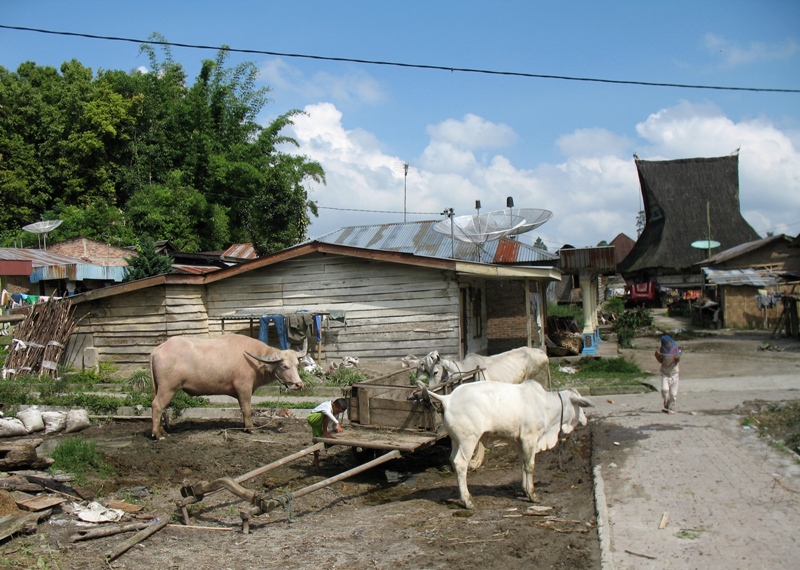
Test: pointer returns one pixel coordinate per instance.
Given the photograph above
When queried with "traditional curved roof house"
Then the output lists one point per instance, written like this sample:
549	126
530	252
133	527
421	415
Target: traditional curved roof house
680	197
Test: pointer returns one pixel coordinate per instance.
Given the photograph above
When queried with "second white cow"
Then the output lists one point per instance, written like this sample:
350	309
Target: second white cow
525	415
512	367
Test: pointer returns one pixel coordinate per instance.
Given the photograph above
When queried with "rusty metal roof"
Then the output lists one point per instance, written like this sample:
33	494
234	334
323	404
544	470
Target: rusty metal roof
419	238
240	251
194	269
598	259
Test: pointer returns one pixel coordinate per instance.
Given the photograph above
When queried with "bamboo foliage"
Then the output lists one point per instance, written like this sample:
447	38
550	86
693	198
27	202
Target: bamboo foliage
40	339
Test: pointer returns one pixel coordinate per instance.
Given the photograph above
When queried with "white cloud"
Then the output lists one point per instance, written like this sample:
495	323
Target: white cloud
734	55
593	193
473	132
356	85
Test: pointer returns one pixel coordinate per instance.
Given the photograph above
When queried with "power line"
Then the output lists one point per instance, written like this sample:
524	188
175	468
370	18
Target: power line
379	211
406	65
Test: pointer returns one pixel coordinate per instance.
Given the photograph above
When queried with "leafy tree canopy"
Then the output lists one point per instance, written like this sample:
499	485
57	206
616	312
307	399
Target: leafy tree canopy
148	262
117	155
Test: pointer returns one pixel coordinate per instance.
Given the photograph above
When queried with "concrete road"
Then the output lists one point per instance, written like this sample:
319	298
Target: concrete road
725	499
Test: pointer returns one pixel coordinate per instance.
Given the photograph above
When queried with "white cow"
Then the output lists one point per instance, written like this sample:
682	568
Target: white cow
525	415
512	367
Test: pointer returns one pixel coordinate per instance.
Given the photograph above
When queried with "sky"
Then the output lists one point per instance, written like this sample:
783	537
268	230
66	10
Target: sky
561	145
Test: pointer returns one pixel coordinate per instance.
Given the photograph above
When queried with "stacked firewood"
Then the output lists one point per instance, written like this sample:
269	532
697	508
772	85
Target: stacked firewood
39	340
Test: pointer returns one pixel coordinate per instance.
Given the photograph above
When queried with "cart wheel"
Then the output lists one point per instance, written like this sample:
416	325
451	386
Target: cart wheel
363	454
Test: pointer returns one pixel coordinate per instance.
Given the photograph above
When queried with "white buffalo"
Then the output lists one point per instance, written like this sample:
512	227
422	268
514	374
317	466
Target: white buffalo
525	415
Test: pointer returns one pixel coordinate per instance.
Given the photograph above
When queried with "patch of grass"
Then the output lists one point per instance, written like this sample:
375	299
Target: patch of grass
780	423
595	372
80	457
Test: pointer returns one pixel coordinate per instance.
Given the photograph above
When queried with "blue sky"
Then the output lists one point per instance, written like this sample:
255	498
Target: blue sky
564	146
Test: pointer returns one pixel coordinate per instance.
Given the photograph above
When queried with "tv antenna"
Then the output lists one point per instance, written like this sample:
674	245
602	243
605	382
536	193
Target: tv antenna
42	229
405	167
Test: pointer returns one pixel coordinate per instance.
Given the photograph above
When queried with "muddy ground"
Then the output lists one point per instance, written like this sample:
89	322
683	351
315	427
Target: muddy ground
403	514
363	522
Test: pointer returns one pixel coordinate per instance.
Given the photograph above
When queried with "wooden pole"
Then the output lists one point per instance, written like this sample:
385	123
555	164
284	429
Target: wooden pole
137	538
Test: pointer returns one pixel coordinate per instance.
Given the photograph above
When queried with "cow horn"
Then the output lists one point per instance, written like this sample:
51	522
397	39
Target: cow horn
272	358
305	348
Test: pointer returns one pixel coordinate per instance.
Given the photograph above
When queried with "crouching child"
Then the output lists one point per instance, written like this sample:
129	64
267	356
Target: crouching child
322	418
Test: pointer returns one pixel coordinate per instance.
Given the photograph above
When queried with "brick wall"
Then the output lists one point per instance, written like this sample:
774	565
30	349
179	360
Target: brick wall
93	252
506	317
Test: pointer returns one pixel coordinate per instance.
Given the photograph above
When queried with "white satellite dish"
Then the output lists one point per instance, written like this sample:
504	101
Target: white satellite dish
534	218
481	228
43	227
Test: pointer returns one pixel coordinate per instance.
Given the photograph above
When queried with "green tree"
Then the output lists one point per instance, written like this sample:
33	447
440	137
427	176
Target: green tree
148	262
539	244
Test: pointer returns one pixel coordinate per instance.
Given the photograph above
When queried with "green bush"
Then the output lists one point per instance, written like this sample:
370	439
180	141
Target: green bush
574	311
614	305
629	321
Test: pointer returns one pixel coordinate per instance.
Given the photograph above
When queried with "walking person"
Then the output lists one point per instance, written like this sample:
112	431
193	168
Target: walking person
669	354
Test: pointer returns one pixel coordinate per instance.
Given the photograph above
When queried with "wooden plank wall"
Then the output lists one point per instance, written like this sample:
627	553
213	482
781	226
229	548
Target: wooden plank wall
125	328
392	310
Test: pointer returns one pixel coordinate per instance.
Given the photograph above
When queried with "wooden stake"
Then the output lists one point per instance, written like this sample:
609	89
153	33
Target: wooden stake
664	520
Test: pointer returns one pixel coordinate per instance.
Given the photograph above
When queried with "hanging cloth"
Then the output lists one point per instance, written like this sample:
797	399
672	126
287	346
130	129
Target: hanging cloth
280	328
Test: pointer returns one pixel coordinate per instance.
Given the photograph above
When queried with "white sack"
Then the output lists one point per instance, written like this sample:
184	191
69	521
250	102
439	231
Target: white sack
54	421
31	418
77	420
10	427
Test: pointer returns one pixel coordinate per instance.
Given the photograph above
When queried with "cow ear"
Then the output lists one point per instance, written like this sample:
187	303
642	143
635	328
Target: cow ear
581	401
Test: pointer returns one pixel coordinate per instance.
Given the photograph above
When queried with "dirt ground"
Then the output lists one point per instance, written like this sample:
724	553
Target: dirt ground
403	514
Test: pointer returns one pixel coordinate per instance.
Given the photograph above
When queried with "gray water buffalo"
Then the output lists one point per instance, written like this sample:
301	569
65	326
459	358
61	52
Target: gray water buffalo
231	365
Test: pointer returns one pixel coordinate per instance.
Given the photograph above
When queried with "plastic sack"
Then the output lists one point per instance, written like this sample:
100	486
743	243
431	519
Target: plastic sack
77	420
54	421
10	427
31	418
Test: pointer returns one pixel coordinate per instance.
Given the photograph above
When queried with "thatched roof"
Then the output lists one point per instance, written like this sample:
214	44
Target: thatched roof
677	195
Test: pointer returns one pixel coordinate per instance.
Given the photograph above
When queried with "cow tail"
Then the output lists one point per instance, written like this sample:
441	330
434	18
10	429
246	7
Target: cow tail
153	383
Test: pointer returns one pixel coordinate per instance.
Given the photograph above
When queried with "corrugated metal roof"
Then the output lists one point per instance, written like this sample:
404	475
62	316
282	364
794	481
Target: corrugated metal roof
751	277
194	269
419	238
601	259
51	266
240	251
743	248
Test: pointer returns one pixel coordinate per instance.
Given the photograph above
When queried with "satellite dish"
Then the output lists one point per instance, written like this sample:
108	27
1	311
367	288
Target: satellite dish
533	218
705	244
481	228
43	227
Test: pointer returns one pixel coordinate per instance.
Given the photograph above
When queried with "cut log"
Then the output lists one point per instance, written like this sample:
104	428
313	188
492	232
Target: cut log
21	454
12	524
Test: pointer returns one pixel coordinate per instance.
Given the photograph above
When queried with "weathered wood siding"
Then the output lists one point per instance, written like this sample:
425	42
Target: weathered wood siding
391	310
125	328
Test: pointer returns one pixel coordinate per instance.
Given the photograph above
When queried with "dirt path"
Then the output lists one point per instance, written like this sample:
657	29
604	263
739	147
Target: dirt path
406	518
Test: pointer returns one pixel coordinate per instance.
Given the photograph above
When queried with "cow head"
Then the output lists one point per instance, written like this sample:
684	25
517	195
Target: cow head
282	365
573	414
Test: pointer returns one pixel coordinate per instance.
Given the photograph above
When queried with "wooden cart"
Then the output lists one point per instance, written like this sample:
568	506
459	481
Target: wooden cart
387	420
